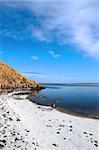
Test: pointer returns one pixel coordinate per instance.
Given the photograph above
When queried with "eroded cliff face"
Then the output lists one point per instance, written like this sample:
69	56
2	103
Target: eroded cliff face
10	78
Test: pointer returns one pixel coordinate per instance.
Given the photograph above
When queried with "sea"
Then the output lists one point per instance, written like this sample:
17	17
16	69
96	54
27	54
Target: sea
76	99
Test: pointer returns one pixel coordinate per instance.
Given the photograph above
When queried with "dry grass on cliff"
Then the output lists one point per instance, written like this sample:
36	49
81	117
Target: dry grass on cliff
9	77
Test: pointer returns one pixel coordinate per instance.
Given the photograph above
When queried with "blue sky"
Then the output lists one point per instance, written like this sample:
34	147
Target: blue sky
51	41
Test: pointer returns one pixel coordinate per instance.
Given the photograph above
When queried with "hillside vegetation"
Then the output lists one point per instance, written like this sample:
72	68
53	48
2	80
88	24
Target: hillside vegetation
10	78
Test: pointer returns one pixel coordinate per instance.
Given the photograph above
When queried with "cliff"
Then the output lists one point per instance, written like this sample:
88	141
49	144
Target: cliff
10	78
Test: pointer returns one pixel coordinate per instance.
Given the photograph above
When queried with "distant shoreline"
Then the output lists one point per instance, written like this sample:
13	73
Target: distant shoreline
72	84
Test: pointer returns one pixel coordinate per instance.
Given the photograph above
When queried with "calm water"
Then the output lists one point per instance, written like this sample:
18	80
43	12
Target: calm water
82	100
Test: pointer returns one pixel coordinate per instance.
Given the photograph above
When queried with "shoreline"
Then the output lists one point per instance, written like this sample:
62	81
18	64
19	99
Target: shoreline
66	111
30	126
77	114
28	91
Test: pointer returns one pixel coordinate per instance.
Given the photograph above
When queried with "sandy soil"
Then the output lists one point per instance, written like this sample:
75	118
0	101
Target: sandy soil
27	126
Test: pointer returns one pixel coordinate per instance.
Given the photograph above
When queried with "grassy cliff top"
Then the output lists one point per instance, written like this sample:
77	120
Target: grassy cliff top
10	78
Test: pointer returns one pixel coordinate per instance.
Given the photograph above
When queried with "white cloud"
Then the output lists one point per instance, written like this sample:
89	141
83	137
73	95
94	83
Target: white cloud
38	34
28	75
54	55
34	57
74	22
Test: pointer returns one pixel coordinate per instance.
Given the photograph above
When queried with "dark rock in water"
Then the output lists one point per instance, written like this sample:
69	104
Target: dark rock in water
54	105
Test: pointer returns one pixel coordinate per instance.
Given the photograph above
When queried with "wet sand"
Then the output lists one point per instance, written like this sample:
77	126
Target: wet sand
28	126
78	114
67	111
